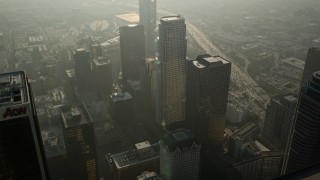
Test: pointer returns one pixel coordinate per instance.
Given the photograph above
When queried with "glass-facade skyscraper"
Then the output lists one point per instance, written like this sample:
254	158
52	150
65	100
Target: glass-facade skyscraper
148	18
208	79
304	149
21	149
172	68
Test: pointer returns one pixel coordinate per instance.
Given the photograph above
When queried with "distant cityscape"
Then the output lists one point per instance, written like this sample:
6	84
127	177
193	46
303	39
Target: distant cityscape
142	92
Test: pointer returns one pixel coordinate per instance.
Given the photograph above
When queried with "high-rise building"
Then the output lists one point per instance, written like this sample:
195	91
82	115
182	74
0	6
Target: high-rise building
130	164
266	165
21	150
172	79
132	48
149	83
80	142
102	70
82	69
279	121
148	18
95	50
180	155
208	79
304	148
312	64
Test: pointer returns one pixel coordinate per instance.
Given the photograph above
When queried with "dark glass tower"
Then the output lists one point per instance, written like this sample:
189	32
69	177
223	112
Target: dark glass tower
208	79
312	64
82	69
304	149
148	18
279	121
102	70
132	50
80	142
21	150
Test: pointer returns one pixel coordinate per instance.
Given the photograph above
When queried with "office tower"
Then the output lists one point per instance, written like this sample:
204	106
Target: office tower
102	70
21	150
80	142
312	64
266	165
122	107
132	50
82	69
130	164
148	18
95	50
279	121
179	155
251	157
208	79
304	148
172	78
149	83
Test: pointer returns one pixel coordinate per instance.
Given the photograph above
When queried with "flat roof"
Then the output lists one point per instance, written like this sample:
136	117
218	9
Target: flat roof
53	141
121	96
290	98
75	115
143	145
179	139
245	129
172	18
13	88
70	73
132	157
101	60
130	17
298	63
207	60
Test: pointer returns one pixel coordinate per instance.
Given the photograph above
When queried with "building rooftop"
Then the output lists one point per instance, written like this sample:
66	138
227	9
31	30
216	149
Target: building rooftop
148	176
75	115
290	98
179	139
101	61
131	17
121	96
70	73
172	18
53	141
135	156
207	60
142	145
243	131
298	63
13	88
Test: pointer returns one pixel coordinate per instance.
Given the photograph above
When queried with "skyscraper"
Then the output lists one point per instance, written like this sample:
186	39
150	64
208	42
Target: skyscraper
95	49
208	79
80	142
148	18
279	121
180	156
102	70
172	78
132	50
21	149
82	68
304	149
149	83
312	64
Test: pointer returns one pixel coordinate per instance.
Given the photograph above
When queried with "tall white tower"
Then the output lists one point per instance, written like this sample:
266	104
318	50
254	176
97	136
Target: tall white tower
172	67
